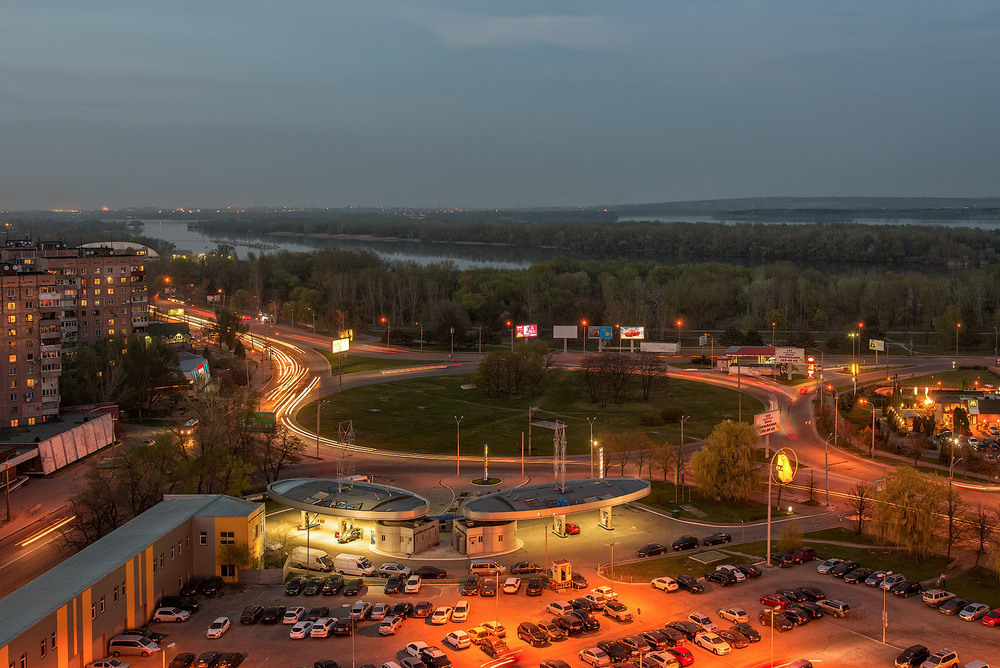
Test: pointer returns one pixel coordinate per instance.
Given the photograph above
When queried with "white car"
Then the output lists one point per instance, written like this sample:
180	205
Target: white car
360	610
605	591
379	611
441	615
460	612
511	585
171	615
293	615
218	628
413	648
391	568
458	639
496	628
595	656
321	627
390	625
107	662
734	615
663	660
300	630
714	643
703	620
665	584
412	585
732	570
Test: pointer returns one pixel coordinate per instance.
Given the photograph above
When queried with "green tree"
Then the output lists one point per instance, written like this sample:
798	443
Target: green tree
227	327
152	373
790	538
906	511
724	467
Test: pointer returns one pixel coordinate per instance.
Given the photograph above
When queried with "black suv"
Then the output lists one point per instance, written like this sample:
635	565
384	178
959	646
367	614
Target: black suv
685	543
313	587
721	578
211	586
590	623
394	584
717	539
614	649
294	586
685	581
252	614
272	614
531	634
912	656
569	623
182	602
470	586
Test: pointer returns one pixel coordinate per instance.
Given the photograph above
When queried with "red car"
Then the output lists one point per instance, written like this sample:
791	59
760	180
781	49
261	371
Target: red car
572	528
992	618
775	601
683	655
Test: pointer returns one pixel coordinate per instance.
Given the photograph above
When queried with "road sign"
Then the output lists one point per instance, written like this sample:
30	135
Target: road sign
703	340
877	345
340	345
767	423
789	355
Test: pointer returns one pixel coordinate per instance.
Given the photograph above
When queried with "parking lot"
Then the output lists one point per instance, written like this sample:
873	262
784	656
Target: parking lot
853	641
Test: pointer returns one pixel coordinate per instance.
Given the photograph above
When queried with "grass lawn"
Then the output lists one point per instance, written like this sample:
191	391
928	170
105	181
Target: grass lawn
980	585
419	414
647	569
662	496
953	378
354	363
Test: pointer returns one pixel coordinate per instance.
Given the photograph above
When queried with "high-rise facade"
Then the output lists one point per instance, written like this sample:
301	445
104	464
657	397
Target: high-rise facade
53	297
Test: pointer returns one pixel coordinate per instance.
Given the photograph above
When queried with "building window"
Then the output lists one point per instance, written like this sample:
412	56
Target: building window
93	611
12	319
187	542
24	661
116	594
12	358
11	306
178	547
227	538
43	648
53	641
227	570
171	553
123	591
102	604
204	538
161	561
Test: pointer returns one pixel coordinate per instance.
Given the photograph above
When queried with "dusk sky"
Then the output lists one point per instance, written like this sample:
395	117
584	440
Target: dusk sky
493	104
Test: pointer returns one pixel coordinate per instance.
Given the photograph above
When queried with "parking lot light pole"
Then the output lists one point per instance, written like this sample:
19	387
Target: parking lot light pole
163	651
826	466
592	421
458	443
612	546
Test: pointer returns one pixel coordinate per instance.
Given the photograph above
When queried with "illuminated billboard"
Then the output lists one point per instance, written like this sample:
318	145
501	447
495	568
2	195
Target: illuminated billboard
526	331
602	332
340	345
634	333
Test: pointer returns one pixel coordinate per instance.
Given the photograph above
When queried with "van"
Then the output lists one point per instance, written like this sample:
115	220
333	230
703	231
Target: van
189	427
486	568
559	608
935	597
310	558
132	645
354	564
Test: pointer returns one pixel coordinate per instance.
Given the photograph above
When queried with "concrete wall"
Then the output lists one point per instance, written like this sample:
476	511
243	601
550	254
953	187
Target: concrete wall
76	443
404	539
484	538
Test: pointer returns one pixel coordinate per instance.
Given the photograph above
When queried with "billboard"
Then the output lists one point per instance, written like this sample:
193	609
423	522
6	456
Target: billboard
602	332
564	332
347	334
213	298
258	421
633	333
659	347
703	340
340	345
877	345
526	331
767	423
789	355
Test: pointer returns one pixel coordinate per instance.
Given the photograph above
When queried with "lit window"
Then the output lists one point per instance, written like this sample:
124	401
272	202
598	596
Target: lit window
12	358
227	538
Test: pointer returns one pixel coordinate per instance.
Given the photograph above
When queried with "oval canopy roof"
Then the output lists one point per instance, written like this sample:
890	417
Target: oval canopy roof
355	499
544	500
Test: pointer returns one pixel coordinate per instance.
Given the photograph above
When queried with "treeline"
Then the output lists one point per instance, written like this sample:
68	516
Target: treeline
345	289
819	244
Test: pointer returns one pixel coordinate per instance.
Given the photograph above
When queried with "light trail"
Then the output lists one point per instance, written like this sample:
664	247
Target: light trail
42	533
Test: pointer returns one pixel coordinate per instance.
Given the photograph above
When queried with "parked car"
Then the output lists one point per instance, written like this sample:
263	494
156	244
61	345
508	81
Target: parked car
551	630
300	630
992	618
716	539
685	543
321	627
494	647
843	568
211	586
252	614
230	660
595	657
734	614
207	659
683	654
512	585
390	625
412	585
714	643
952	606
907	589
525	568
798	616
663	660
875	579
569	624
803	554
812	593
394	584
912	656
781	560
488	587
441	615
614	649
721	578
470	586
747	631
943	658
775	601
889	580
218	628
702	620
293	615
776	619
423	609
656	639
973	612
534	587
360	611
344	627
690	583
170	614
183	602
353	587
458	639
651	550
857	575
317	612
531	634
825	567
749	570
403	609
636	644
664	583
272	614
313	587
572	528
792	595
811	609
732	570
294	586
431	573
834	607
460	612
182	660
590	623
618	611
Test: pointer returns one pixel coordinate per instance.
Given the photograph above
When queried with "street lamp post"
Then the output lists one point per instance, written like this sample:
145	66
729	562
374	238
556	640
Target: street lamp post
421	335
826	466
612	546
871	450
774	330
388	329
958	328
785	469
684	418
510	326
583	323
458	443
679	323
592	421
319	408
163	651
451	355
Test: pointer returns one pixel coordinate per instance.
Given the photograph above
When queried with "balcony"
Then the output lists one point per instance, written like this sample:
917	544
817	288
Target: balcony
52	373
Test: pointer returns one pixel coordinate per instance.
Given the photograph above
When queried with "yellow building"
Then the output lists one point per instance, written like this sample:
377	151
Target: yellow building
67	616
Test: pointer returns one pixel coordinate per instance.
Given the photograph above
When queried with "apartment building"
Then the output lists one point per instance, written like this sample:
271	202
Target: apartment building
53	297
65	617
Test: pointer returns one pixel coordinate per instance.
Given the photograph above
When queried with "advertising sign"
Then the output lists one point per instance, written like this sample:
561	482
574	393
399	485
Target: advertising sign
258	421
564	332
599	332
526	331
213	298
659	347
767	423
340	345
633	333
347	334
789	355
876	344
703	340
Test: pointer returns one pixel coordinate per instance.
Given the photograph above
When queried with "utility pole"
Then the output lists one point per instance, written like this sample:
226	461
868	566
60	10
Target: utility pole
592	421
458	443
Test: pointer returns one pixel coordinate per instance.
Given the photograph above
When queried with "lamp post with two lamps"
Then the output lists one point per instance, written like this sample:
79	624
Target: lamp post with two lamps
871	451
592	443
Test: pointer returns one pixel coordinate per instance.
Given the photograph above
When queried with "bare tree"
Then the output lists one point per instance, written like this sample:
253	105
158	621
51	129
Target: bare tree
983	524
954	511
664	458
861	501
651	372
812	485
